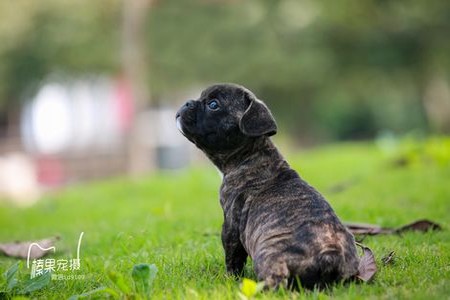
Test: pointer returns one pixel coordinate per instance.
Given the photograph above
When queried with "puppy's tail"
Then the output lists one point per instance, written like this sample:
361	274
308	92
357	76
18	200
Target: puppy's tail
330	264
326	269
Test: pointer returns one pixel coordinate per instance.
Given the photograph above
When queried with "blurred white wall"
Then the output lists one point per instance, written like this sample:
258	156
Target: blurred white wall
79	130
78	116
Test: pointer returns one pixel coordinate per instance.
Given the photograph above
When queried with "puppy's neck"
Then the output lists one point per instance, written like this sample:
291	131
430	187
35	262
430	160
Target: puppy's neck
258	152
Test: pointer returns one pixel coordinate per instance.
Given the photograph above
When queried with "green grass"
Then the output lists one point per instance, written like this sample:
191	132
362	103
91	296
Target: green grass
173	220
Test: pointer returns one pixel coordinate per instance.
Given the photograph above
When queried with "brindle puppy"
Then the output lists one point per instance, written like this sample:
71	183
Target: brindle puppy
287	227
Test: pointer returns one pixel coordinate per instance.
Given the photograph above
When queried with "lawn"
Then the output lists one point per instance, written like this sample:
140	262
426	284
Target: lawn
173	220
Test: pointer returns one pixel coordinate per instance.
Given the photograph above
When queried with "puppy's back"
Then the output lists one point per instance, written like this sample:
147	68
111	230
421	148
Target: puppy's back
296	227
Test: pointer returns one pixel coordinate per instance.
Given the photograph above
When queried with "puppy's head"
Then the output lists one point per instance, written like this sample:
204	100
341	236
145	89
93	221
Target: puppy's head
224	118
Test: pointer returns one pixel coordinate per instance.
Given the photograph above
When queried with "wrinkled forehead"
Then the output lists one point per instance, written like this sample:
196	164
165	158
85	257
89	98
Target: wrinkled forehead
232	93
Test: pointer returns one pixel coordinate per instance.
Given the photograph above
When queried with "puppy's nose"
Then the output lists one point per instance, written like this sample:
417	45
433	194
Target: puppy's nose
190	104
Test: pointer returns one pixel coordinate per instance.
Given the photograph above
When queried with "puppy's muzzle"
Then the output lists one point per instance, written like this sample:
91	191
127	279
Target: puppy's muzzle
185	115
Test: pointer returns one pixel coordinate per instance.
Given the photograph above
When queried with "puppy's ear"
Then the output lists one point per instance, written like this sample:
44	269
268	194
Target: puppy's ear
257	120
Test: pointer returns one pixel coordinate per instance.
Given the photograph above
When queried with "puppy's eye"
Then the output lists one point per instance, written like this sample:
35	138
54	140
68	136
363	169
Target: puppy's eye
213	105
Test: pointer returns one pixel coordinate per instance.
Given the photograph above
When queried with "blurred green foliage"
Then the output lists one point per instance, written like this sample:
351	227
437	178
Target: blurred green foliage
44	37
414	153
328	69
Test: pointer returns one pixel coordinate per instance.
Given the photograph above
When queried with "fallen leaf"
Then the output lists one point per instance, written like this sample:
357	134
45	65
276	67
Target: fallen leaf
388	259
367	229
20	249
371	229
420	225
367	267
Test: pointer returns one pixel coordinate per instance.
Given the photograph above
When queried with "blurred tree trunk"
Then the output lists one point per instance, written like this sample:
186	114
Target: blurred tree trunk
436	100
134	64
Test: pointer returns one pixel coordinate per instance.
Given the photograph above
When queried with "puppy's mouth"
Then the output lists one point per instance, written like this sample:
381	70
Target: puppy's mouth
183	127
183	131
179	126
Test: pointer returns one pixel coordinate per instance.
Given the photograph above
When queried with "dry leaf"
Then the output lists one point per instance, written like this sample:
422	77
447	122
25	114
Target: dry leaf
420	225
367	267
20	249
367	229
370	229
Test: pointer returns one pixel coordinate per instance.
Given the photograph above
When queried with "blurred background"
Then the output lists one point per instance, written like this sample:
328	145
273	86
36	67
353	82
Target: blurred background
89	89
